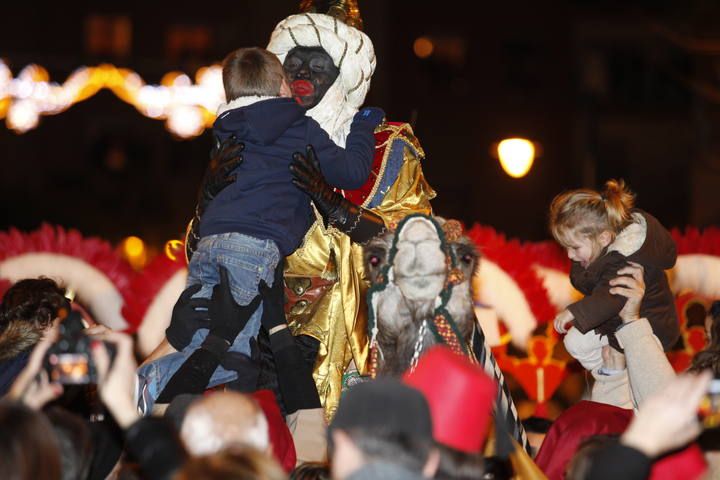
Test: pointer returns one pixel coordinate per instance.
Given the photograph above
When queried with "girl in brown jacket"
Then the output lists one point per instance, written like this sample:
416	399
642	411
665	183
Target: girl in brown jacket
602	232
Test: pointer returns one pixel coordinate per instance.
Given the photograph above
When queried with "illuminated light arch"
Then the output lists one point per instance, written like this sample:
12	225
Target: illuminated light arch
188	108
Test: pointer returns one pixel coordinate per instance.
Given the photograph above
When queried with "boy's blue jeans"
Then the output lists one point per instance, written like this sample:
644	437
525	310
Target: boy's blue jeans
248	260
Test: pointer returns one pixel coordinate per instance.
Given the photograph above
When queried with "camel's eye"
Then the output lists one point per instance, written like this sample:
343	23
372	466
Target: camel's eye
466	259
374	260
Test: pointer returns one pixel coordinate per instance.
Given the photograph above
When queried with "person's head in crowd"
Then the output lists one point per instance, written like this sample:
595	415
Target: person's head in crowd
28	447
579	465
585	222
709	358
223	419
107	442
28	309
311	471
461	398
382	424
235	463
178	407
249	72
536	429
75	440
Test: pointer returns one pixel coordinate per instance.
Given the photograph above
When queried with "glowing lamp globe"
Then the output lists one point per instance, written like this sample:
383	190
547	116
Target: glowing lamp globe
516	156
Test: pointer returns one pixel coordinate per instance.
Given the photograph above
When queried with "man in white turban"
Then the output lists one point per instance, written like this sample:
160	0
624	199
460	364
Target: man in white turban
325	280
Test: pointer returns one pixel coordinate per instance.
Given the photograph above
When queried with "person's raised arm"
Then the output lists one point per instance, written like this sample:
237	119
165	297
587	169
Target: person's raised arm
32	386
151	441
224	159
348	168
360	224
648	368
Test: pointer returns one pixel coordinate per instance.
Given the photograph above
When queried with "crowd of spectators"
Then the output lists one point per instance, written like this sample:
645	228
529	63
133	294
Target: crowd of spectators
435	422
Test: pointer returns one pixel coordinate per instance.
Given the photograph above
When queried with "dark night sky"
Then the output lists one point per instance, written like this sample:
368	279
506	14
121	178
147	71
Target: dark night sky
593	82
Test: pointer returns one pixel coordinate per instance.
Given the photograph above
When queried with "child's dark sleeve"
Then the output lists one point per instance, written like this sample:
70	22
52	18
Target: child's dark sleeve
600	305
347	168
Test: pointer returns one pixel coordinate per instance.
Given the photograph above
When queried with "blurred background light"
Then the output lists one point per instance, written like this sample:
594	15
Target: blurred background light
516	156
22	116
423	47
185	121
133	249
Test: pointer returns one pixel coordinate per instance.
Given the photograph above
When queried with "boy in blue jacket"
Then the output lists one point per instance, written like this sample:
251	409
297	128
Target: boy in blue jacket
254	223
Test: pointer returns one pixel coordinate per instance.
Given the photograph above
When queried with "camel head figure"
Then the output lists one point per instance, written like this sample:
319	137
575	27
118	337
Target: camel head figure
421	277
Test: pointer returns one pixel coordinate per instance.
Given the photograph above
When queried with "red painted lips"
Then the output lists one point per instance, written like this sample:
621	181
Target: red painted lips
302	88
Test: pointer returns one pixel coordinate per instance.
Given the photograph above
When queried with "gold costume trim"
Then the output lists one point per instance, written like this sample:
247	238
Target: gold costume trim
338	319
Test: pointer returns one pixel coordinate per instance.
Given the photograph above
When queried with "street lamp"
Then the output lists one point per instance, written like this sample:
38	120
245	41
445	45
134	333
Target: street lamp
516	156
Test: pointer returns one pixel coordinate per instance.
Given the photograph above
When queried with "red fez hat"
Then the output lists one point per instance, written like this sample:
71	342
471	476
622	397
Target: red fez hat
461	397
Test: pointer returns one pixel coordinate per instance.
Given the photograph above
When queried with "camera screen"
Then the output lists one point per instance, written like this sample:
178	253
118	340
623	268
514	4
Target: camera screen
69	368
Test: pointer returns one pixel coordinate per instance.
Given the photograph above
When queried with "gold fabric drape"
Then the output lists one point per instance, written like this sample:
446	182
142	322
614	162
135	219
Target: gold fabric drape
338	318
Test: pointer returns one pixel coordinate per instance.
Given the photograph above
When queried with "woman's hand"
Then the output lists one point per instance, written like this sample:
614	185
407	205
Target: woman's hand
117	381
33	387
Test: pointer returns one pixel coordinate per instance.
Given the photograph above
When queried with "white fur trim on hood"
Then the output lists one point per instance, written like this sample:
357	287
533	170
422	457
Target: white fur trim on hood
240	102
352	52
631	238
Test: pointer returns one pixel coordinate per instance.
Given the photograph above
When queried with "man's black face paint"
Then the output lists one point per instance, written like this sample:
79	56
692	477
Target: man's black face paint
311	72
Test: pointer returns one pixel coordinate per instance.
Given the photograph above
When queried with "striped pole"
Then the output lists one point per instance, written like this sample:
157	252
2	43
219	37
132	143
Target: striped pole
505	407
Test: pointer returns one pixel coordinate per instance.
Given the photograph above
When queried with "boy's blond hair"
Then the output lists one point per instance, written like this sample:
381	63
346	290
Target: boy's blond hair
588	213
252	72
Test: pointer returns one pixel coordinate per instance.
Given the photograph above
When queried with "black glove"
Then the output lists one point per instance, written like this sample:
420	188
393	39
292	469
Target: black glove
227	318
359	224
224	158
192	376
273	300
188	315
247	368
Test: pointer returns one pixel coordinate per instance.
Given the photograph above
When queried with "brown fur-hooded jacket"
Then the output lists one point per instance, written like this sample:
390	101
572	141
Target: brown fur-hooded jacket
648	243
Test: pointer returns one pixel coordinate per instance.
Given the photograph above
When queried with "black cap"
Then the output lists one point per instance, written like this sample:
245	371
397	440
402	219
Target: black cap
387	404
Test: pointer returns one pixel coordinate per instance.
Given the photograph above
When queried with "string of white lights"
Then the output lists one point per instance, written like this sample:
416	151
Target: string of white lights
188	108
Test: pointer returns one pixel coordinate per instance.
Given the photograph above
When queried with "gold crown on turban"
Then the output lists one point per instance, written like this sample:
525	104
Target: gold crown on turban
346	11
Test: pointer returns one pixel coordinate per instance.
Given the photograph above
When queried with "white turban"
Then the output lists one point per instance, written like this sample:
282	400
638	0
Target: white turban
351	51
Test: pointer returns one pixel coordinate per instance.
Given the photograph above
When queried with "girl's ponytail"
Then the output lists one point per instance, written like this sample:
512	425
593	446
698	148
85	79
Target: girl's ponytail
618	203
